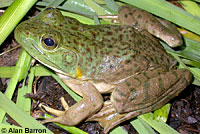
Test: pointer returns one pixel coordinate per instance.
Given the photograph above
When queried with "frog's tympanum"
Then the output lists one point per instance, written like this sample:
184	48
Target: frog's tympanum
123	60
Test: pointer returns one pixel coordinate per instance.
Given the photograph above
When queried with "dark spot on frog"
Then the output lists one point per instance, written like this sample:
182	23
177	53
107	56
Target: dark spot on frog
101	52
88	49
112	38
139	16
82	44
152	59
93	34
120	37
69	22
27	33
130	13
109	33
69	42
126	15
134	10
75	41
74	28
110	46
125	53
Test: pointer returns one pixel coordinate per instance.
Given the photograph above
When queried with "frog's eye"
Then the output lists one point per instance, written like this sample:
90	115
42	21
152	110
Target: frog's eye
49	43
49	8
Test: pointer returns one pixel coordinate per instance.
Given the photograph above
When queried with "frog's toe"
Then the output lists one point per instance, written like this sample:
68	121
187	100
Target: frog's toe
56	119
51	110
54	111
64	103
58	113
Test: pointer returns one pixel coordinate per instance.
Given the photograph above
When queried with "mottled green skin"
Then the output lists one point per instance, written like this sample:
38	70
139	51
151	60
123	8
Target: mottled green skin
97	50
130	64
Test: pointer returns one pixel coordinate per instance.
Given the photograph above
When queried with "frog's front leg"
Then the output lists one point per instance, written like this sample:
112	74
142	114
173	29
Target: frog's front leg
91	103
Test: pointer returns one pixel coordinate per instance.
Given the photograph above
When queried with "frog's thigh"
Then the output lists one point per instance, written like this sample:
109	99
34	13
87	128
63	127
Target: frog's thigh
92	102
149	90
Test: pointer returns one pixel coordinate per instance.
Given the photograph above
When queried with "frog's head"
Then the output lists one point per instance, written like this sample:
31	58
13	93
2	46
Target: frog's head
42	39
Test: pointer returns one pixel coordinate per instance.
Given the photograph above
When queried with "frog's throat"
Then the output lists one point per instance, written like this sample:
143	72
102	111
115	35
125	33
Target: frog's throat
54	69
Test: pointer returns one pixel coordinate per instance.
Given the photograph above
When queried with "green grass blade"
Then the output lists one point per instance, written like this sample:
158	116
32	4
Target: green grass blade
6	72
118	130
42	71
159	126
190	50
162	113
78	6
98	9
55	3
12	16
70	129
142	127
5	3
196	0
21	68
191	7
80	18
112	5
23	102
18	115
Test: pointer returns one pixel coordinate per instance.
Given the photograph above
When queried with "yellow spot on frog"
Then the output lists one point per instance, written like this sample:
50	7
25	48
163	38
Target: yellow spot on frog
78	72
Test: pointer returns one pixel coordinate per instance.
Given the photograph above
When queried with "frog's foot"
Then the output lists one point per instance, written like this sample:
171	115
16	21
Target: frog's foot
91	103
108	117
55	112
160	28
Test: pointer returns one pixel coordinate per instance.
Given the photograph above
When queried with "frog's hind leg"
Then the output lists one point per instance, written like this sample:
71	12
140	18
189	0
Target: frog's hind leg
151	89
140	94
91	103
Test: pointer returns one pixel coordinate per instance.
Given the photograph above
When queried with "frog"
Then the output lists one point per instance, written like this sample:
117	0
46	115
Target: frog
125	62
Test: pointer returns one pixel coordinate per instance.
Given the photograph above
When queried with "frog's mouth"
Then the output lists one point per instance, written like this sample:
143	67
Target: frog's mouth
49	63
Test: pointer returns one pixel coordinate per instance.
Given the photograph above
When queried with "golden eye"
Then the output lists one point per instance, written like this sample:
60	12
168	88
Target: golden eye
49	43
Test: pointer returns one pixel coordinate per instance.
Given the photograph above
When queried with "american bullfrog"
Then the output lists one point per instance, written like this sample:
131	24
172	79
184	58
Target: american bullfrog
92	60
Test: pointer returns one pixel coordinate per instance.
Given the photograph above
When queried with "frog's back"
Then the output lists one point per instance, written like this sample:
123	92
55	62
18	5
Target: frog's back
108	50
